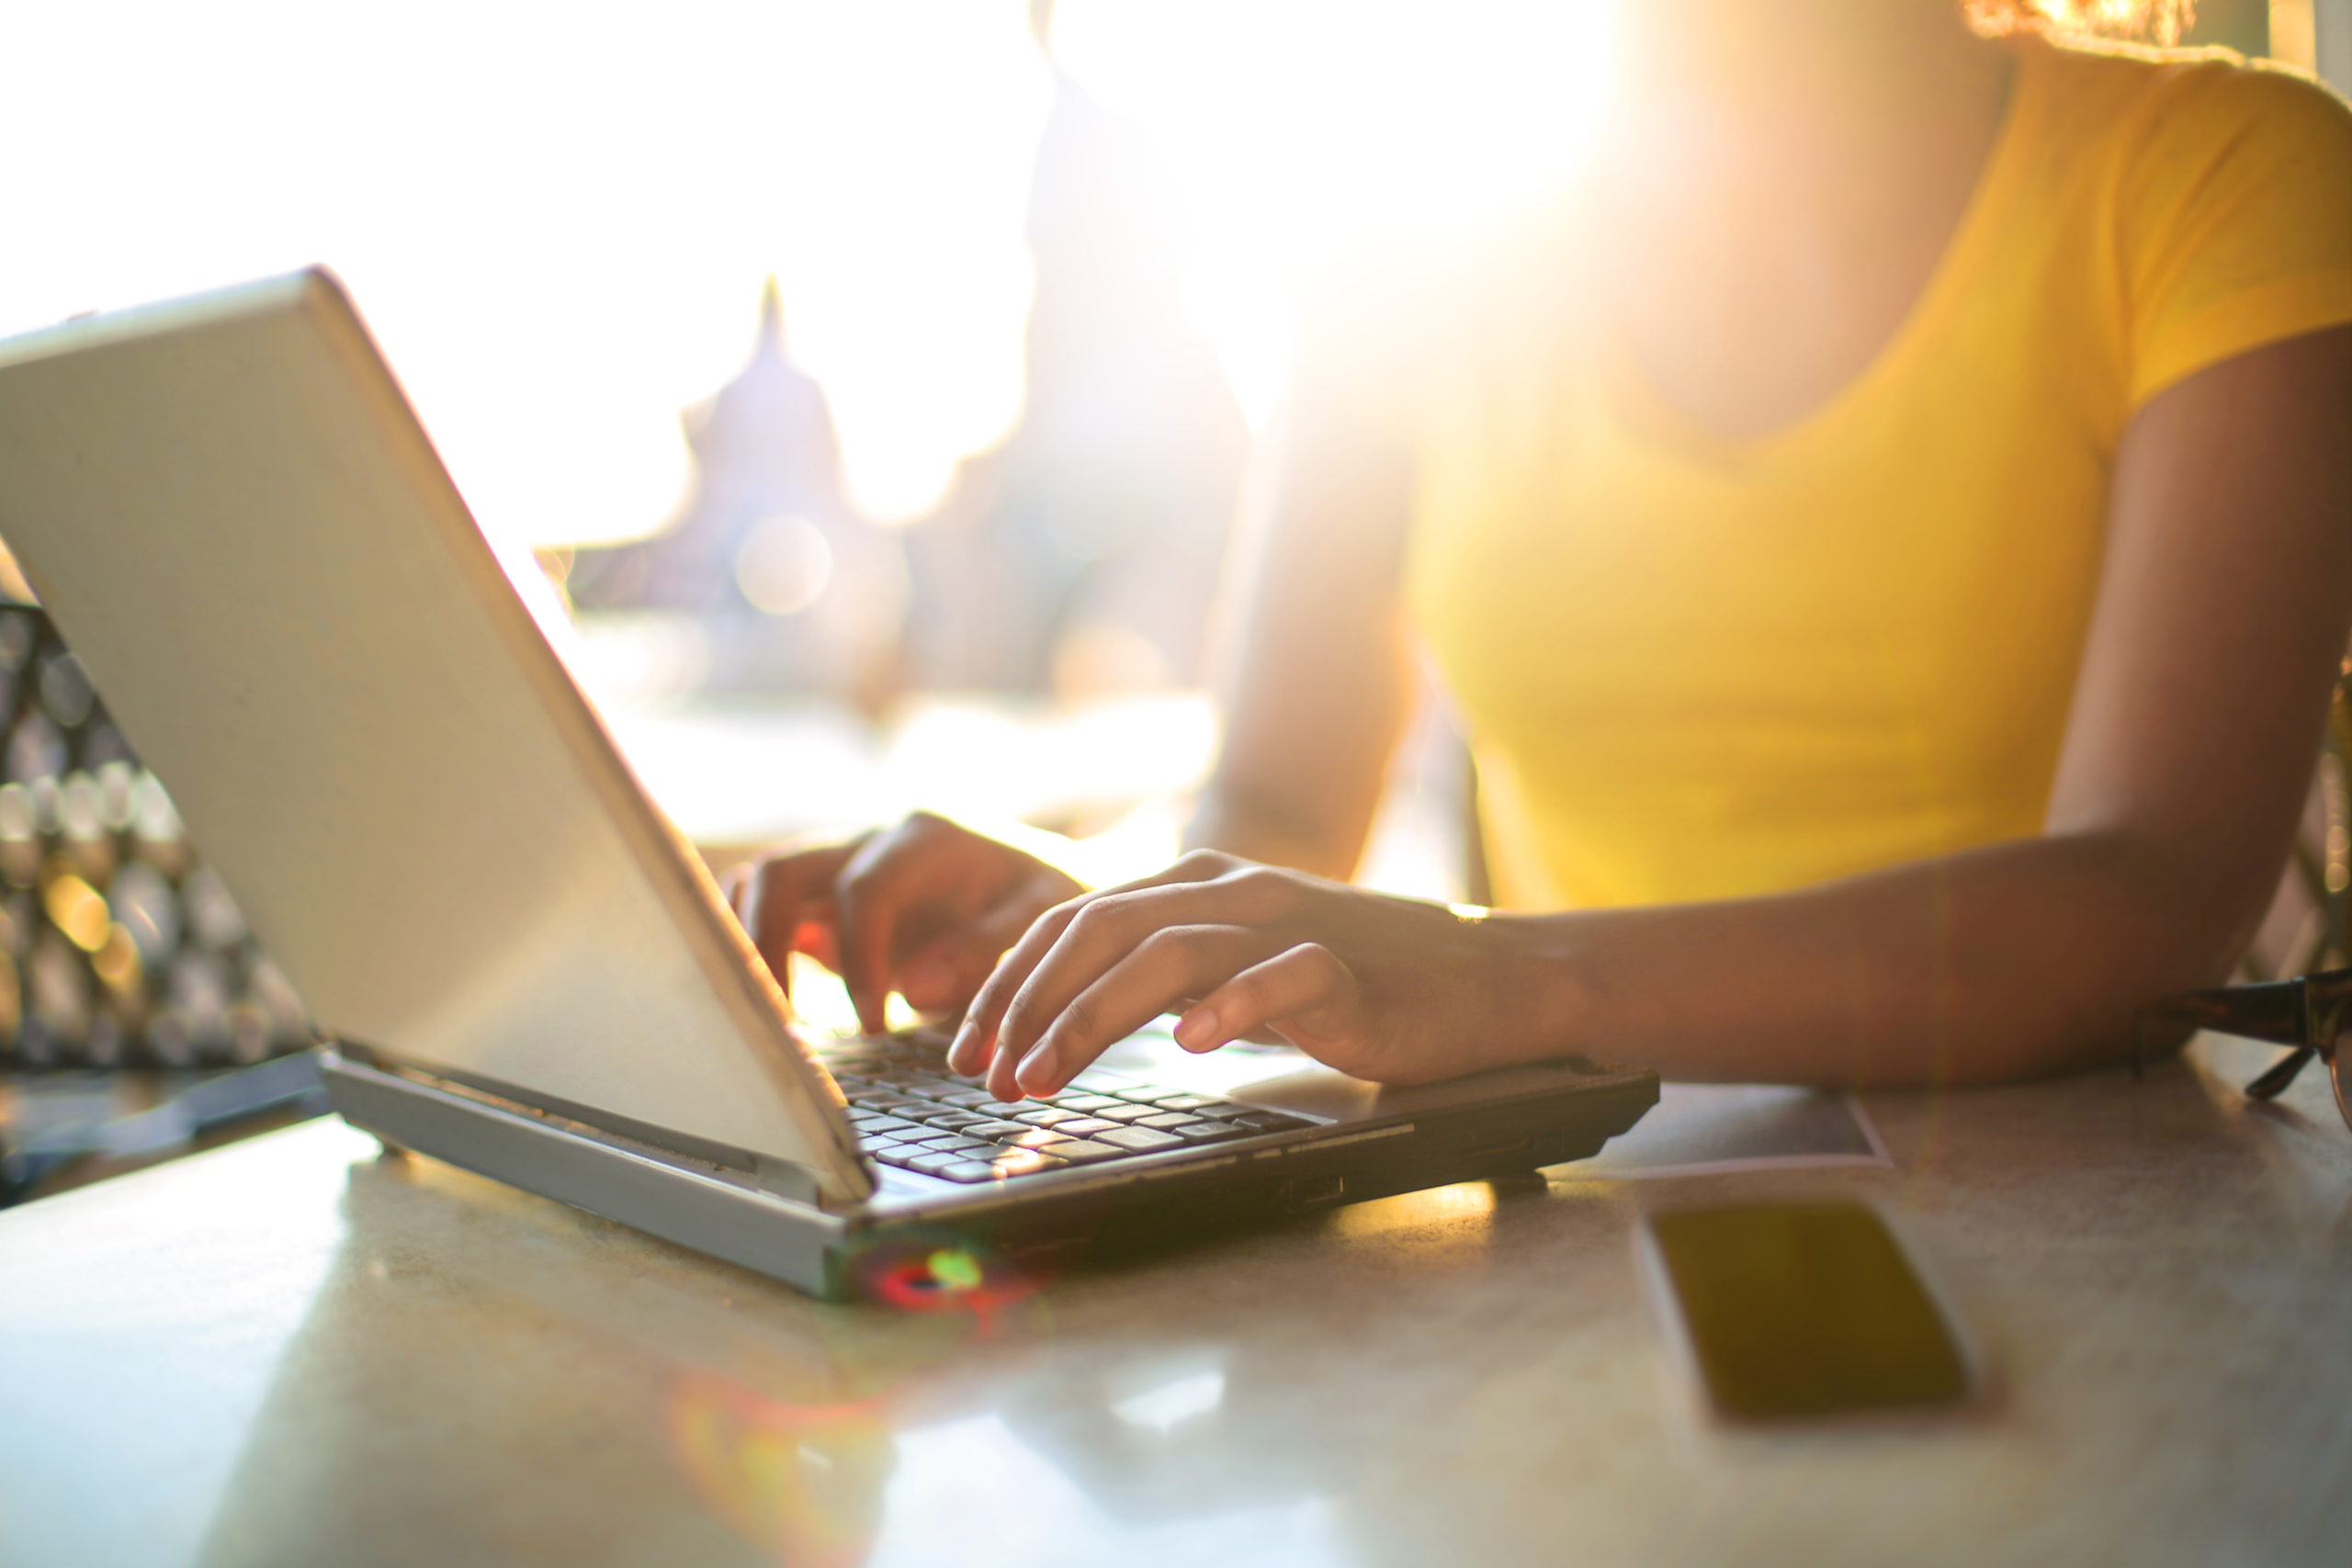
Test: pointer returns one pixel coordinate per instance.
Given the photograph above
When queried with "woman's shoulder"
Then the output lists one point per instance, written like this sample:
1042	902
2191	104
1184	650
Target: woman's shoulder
2218	190
2147	99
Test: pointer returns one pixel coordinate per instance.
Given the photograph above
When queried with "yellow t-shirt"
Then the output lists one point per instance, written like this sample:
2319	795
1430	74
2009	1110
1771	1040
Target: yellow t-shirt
1699	669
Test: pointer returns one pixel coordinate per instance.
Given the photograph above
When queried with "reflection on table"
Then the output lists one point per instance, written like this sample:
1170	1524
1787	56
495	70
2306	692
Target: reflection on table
295	1351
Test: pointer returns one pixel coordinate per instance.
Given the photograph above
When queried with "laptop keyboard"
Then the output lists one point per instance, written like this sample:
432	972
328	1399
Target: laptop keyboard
910	1111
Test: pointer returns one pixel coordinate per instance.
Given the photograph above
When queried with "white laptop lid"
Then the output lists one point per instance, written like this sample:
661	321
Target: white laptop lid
238	525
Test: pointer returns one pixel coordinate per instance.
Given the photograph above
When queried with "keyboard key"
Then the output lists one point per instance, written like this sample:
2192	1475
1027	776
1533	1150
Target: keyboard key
954	1143
1132	1113
1049	1117
879	1099
1080	1151
1002	1107
937	1162
1268	1122
1024	1162
1141	1140
1208	1132
950	1121
995	1130
1164	1119
1103	1082
967	1170
893	1154
1191	1102
1087	1103
879	1124
1084	1127
976	1099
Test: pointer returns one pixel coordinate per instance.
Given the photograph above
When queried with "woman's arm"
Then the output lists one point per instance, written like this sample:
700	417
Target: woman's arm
1317	673
1314	695
2223	614
2222	619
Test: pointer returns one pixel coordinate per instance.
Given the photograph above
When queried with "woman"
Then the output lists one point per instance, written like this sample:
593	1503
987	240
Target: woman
1891	537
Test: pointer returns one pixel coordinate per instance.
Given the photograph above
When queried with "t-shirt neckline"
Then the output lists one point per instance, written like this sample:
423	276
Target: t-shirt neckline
1642	410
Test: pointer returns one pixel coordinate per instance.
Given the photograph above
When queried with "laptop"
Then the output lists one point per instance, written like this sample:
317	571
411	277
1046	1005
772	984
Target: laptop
229	510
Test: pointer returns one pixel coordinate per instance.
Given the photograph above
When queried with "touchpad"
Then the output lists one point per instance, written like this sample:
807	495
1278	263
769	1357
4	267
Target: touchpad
1281	1078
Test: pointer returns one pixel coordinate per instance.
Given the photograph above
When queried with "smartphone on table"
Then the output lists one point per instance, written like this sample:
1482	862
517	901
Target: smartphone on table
1804	1310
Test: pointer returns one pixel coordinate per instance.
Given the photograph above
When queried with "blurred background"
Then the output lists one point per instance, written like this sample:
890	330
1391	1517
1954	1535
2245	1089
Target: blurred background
872	382
861	388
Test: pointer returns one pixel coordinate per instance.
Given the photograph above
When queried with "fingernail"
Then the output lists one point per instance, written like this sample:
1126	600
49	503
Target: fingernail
1196	1030
967	1041
1035	1073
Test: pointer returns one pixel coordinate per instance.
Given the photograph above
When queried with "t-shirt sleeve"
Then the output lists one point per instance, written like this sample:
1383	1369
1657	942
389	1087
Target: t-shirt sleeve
2236	218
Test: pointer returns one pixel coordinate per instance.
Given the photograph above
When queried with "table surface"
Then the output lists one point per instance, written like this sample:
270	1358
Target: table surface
296	1351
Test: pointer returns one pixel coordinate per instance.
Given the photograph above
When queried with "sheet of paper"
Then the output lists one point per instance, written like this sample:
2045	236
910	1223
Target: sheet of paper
1704	1129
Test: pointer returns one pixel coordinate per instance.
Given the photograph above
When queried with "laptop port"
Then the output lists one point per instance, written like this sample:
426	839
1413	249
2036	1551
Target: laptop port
1305	1192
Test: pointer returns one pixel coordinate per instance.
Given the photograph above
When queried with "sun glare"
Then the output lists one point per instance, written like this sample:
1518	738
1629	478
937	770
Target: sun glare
1307	133
557	219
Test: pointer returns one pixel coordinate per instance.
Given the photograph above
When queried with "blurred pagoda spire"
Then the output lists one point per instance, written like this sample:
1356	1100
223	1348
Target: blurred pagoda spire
785	586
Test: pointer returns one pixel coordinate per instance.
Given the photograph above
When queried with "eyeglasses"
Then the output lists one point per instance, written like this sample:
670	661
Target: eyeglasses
2306	1014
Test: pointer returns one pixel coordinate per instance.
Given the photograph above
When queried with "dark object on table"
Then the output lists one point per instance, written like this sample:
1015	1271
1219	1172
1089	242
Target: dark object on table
2307	1013
1804	1309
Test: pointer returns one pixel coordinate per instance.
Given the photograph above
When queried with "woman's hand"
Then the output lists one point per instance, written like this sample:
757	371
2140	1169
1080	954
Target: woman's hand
924	909
1384	988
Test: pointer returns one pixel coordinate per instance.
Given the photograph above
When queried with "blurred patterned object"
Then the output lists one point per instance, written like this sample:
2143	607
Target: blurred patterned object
118	947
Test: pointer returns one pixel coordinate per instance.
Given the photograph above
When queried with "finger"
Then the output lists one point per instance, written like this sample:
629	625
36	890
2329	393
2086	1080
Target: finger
1084	984
1088	934
1079	939
913	863
776	899
1306	992
1041	1051
868	897
969	1053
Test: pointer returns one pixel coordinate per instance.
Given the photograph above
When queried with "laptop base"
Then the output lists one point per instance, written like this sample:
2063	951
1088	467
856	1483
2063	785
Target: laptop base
723	1203
663	1192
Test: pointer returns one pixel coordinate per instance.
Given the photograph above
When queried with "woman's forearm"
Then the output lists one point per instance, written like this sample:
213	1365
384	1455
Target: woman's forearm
2000	963
1276	832
2222	619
